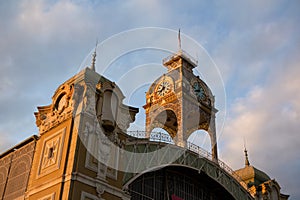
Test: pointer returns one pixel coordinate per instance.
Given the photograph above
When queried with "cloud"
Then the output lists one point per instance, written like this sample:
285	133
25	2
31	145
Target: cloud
40	39
249	53
35	44
62	20
268	118
254	44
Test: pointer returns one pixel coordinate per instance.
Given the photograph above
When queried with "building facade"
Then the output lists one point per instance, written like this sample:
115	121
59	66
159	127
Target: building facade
83	149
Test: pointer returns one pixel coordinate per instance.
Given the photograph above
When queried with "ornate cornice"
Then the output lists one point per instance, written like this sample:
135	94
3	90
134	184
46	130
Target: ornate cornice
61	108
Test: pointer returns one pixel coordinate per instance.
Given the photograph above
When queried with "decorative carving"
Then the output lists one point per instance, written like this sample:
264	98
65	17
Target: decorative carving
88	130
104	145
19	164
99	86
52	152
61	109
124	119
89	101
100	189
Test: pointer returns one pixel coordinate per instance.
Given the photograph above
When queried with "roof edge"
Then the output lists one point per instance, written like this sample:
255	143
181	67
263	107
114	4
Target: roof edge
19	145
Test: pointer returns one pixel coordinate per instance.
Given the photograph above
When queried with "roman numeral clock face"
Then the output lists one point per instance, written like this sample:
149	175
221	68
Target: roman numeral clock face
163	88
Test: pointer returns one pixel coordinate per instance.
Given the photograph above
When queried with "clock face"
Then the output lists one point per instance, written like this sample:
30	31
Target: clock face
163	88
61	103
199	91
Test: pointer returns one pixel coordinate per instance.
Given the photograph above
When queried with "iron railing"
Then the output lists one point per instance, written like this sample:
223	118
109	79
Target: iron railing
154	136
184	54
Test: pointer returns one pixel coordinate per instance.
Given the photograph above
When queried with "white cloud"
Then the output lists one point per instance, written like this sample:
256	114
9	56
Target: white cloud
42	43
62	20
268	118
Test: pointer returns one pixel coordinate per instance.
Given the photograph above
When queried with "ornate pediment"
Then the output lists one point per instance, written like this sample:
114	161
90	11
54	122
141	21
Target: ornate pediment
61	108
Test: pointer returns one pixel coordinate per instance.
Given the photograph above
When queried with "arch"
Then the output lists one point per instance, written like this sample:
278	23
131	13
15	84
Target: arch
220	173
21	165
60	102
64	91
201	138
165	119
196	120
183	181
18	177
201	120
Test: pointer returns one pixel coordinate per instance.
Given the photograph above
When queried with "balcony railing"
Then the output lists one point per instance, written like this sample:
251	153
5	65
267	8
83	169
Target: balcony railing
154	136
183	54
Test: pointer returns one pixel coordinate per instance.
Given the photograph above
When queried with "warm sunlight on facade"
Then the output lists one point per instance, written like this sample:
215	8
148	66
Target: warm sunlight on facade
83	150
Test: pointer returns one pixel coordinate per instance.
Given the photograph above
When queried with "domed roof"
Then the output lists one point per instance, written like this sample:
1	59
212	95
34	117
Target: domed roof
251	175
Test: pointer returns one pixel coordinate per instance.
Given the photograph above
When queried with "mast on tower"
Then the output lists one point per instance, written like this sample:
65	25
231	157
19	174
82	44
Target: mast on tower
94	58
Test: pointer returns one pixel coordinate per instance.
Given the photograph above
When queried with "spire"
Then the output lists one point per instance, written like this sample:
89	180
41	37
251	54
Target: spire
179	40
247	163
94	58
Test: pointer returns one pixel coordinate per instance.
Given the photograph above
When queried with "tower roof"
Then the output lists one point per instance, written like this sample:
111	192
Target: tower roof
250	174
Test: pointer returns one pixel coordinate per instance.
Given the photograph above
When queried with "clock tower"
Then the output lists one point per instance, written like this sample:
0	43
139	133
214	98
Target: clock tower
181	103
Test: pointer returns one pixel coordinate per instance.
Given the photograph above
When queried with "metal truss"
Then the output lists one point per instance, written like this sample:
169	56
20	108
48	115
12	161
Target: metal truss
149	156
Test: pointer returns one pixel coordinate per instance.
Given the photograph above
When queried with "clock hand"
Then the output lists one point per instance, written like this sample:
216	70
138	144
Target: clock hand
161	89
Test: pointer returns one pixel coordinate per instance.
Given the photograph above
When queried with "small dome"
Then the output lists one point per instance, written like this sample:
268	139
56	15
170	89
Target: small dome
252	176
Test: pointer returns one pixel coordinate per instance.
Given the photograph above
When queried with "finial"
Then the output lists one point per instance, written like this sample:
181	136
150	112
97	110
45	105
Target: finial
94	57
247	163
179	40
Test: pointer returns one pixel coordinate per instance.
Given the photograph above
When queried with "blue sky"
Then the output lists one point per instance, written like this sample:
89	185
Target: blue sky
255	45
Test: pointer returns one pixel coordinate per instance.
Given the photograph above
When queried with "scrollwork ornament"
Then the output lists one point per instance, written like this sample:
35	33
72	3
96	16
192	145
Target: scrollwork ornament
100	189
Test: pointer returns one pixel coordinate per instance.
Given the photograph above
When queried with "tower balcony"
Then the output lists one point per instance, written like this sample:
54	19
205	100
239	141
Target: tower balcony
180	54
